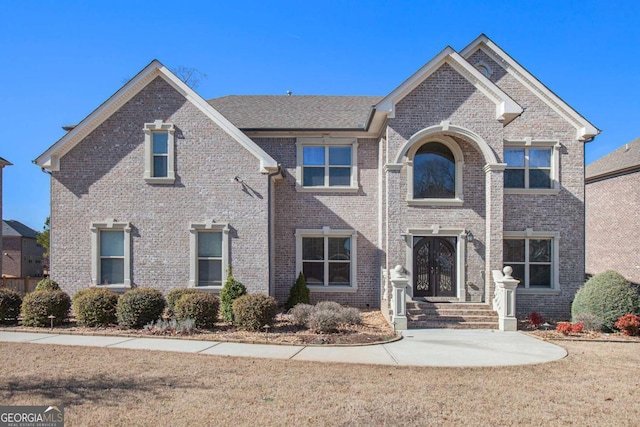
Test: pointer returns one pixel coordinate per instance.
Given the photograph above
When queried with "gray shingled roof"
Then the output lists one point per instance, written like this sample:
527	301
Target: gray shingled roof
17	229
624	158
296	112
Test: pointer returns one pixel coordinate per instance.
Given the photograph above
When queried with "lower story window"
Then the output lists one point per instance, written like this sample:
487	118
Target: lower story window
111	254
533	260
327	258
209	254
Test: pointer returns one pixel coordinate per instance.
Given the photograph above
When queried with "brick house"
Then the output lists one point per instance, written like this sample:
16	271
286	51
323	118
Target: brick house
614	219
3	163
21	253
468	165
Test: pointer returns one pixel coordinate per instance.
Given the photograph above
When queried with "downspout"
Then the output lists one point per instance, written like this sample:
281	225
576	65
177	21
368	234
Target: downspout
270	223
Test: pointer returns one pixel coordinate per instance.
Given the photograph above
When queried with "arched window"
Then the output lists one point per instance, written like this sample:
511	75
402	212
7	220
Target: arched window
434	172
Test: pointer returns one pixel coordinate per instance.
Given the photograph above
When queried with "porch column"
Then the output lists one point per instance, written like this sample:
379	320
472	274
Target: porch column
399	298
494	192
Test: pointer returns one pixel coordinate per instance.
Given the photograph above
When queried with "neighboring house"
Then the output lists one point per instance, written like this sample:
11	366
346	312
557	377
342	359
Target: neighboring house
613	212
21	254
3	163
159	187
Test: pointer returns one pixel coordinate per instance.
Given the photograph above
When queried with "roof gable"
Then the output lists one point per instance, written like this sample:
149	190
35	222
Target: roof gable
506	108
50	158
584	129
4	162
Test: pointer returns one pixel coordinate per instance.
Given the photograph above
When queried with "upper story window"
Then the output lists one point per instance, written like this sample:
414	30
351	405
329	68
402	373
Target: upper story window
532	167
435	173
159	152
111	254
327	164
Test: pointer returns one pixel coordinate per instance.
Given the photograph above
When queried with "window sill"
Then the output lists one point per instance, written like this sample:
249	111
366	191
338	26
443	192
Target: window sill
157	180
529	291
341	289
435	202
533	191
208	288
116	288
320	189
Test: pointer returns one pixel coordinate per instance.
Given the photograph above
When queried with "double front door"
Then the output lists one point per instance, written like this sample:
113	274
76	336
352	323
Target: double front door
434	267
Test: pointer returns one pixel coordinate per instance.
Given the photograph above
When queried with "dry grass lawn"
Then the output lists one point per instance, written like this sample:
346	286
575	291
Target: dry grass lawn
597	384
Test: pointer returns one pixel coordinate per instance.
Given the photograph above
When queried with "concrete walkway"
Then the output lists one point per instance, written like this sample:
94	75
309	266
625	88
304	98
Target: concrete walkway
419	347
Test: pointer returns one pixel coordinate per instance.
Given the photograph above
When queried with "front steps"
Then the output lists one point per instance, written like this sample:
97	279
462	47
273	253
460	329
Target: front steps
450	315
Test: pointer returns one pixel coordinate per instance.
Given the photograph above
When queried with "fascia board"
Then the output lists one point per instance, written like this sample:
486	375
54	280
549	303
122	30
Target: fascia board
584	129
387	104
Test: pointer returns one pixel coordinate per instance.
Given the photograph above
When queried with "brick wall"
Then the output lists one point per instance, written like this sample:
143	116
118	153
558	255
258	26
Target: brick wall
102	177
11	256
612	218
309	210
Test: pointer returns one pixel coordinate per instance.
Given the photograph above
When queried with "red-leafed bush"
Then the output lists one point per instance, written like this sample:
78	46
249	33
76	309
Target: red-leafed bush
577	328
629	324
535	319
564	327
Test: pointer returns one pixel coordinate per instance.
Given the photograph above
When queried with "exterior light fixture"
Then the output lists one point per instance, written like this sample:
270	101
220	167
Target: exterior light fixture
469	237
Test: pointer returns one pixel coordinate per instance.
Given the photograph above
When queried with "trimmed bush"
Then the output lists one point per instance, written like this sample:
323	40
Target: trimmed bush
174	295
300	314
39	305
201	307
95	307
253	311
47	285
324	321
299	293
328	305
590	322
10	302
351	316
629	324
231	290
140	306
607	296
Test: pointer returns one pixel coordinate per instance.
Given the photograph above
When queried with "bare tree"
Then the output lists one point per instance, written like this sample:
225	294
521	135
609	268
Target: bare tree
191	76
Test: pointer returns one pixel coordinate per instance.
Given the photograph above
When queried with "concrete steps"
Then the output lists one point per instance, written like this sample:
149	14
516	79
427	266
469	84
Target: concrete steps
451	315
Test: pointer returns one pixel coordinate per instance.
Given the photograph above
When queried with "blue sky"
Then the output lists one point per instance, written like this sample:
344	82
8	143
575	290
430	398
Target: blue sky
60	59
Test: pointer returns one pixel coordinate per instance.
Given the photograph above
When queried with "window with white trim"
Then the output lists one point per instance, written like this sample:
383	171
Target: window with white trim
531	166
111	254
327	258
209	254
533	258
159	141
327	164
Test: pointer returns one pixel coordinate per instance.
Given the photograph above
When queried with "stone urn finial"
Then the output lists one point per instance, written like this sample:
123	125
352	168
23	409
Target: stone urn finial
507	272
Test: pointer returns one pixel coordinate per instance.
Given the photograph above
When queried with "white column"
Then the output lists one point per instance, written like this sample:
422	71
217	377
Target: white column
399	298
504	300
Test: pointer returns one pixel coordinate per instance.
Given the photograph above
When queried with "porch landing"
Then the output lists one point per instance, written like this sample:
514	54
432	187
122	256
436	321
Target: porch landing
450	314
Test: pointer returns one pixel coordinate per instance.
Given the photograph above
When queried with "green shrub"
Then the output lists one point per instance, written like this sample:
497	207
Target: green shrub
47	284
95	307
201	307
39	305
607	296
300	314
253	311
231	290
324	321
140	306
174	295
10	302
299	293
